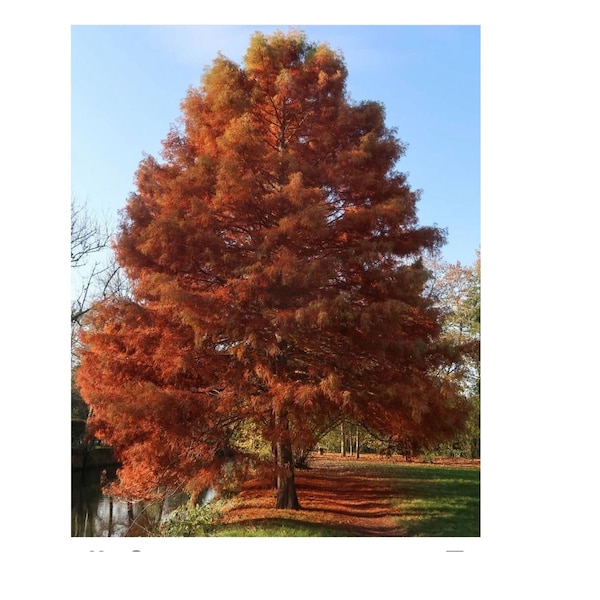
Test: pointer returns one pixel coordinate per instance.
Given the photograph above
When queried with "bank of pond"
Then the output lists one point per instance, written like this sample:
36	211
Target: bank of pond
96	514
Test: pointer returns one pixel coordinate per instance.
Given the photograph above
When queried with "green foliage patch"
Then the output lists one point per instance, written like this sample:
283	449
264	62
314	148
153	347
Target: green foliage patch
195	521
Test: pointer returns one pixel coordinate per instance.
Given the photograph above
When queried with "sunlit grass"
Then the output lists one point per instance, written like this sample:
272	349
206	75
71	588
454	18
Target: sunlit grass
280	528
436	501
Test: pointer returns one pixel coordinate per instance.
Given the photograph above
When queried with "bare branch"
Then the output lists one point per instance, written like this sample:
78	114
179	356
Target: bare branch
87	235
97	280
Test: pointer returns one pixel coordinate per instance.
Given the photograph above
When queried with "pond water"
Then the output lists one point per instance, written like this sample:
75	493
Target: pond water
94	514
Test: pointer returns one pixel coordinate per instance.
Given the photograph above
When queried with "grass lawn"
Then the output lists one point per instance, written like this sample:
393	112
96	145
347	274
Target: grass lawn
281	528
438	501
423	500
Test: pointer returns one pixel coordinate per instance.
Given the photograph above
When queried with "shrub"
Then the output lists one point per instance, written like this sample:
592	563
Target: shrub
195	521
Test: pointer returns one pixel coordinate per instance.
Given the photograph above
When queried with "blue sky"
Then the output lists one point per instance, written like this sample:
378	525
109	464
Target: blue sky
127	83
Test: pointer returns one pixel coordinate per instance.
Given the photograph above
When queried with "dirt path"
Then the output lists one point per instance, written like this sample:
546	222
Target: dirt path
331	492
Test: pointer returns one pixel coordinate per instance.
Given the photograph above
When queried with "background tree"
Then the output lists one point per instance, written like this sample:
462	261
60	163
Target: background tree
95	275
89	240
456	290
277	281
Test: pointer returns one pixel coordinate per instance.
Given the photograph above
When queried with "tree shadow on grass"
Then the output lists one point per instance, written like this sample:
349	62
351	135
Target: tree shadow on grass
353	500
332	504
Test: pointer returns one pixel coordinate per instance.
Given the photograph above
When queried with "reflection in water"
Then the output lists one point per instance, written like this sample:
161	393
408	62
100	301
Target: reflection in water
95	515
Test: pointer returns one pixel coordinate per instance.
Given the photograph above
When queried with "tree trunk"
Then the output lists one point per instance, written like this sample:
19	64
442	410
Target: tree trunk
357	444
193	499
343	442
110	516
284	467
286	485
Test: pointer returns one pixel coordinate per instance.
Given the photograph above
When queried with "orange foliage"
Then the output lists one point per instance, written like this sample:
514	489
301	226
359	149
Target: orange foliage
274	260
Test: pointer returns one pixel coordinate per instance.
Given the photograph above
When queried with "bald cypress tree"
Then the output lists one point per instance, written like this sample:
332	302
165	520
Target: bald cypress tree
274	256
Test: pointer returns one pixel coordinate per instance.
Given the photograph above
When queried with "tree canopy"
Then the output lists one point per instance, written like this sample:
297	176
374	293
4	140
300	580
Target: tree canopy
274	256
456	291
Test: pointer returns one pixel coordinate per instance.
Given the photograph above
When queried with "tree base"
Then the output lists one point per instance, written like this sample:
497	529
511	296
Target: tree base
287	499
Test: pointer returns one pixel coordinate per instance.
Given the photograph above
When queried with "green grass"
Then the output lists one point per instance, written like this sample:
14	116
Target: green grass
437	501
280	528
